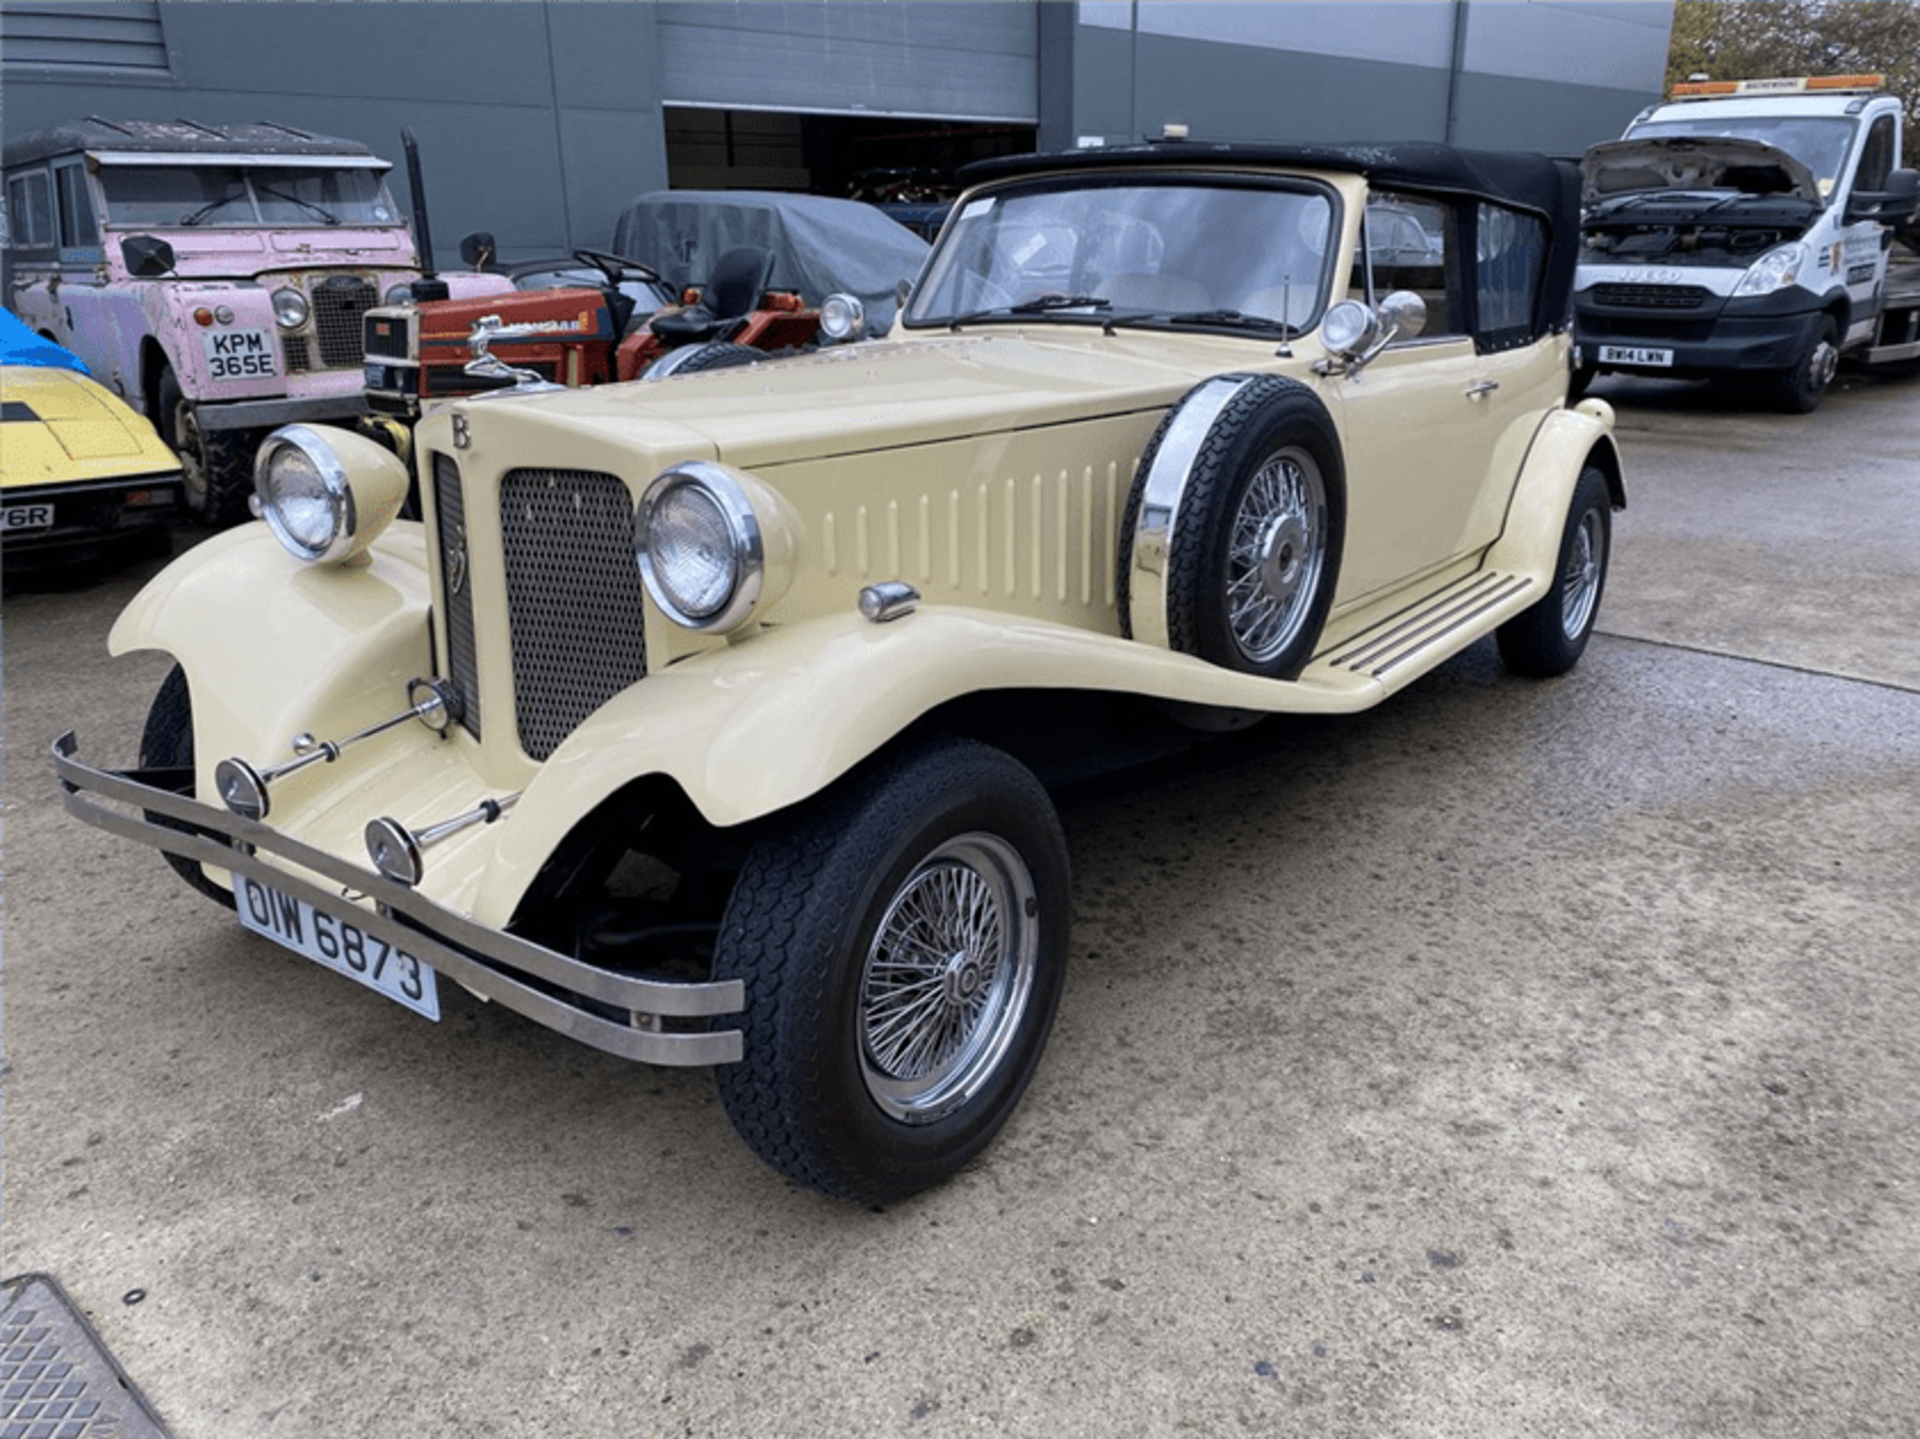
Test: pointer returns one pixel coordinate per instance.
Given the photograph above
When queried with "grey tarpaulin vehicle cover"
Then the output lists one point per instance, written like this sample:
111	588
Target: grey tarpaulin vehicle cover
820	244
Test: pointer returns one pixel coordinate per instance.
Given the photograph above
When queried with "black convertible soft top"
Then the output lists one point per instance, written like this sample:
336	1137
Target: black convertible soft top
1543	185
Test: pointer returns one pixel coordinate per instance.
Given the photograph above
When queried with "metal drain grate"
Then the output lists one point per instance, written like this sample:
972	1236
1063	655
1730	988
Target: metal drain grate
57	1380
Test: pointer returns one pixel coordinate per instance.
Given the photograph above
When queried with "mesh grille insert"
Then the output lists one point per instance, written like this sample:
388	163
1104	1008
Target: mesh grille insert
573	598
339	305
451	514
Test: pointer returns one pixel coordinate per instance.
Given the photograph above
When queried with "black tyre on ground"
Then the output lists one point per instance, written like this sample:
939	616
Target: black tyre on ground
167	743
1800	389
216	466
903	940
1254	554
1548	637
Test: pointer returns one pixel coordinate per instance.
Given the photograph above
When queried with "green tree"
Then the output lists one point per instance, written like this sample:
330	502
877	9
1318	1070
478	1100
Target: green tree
1747	39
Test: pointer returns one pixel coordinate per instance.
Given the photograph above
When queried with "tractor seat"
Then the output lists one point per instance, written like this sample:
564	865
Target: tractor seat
731	294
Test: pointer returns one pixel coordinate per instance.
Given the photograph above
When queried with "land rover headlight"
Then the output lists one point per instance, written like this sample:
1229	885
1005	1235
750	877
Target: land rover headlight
289	308
400	294
326	494
1775	270
713	544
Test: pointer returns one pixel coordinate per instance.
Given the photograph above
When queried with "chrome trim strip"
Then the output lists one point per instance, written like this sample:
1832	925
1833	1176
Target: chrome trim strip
1160	497
444	939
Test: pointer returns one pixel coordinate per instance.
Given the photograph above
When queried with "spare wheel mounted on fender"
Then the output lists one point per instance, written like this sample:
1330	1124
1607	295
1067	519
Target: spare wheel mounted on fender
1230	546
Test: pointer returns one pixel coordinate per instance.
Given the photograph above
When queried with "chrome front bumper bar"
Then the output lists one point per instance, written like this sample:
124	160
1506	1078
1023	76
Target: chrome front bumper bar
455	946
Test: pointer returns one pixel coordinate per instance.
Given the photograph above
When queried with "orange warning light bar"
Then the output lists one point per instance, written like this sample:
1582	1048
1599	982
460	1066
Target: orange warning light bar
1794	85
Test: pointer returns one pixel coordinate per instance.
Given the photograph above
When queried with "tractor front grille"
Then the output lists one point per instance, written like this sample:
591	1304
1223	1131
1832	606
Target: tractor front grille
389	334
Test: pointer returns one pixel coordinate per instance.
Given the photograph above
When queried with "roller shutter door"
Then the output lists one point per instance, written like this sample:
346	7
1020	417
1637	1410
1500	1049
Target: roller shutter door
951	61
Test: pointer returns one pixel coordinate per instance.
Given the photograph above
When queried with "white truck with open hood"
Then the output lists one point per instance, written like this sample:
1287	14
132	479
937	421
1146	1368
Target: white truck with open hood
1752	228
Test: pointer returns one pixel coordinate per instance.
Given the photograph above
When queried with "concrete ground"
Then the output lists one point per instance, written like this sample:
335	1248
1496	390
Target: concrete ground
1515	1060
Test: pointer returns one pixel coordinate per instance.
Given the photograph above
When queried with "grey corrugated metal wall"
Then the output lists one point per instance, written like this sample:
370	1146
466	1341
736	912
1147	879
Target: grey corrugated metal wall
538	121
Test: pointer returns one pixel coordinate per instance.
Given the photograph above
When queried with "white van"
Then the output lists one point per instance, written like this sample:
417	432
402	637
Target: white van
1745	230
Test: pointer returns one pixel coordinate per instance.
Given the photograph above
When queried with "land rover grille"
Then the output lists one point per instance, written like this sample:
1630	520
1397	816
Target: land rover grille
338	305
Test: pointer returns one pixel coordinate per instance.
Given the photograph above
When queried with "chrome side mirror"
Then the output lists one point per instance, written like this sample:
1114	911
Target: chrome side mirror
1355	333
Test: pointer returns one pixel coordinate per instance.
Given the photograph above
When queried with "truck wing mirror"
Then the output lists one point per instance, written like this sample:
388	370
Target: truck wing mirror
1895	205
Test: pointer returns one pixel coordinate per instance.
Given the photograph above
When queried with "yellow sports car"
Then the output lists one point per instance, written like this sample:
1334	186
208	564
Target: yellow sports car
79	470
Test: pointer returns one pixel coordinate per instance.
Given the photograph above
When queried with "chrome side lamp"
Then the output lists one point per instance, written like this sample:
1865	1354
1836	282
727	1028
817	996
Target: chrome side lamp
399	853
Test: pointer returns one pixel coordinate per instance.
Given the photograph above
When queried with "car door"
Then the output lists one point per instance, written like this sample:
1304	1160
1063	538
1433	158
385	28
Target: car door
1434	427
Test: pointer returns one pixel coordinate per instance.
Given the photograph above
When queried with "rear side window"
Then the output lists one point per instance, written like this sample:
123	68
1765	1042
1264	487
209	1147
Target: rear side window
77	228
30	210
1510	252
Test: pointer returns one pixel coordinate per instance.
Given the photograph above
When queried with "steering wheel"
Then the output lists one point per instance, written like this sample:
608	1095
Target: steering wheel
616	267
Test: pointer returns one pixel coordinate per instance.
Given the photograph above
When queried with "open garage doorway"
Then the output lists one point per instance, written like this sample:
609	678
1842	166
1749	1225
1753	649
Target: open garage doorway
904	163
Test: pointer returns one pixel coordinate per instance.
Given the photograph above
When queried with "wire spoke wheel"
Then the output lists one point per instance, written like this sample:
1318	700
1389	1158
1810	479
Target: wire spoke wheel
1580	579
1274	554
947	977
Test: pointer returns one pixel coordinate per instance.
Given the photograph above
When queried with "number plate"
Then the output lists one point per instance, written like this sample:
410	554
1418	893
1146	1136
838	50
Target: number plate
239	354
338	944
1634	355
26	517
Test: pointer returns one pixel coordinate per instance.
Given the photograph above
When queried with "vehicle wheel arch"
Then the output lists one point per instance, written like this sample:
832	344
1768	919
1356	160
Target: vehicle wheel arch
154	362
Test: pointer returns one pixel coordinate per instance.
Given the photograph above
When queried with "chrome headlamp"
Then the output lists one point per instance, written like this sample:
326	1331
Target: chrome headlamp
713	543
326	494
289	309
842	318
400	294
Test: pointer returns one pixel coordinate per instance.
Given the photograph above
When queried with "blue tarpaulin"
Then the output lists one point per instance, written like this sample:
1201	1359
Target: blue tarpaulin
20	346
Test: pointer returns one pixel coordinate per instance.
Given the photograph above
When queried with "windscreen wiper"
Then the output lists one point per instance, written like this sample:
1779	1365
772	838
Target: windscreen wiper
326	216
1038	305
196	216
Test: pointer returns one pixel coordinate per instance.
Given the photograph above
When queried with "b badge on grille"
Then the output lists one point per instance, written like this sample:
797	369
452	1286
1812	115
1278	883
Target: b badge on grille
457	560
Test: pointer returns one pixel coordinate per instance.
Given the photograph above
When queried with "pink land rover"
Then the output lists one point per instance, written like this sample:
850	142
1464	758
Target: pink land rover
214	276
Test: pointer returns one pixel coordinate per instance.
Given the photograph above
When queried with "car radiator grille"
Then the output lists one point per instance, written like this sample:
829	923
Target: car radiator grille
457	589
339	304
573	598
1652	297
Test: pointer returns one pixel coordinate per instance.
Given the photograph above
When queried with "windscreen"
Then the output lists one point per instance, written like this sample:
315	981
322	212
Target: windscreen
232	196
1176	249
